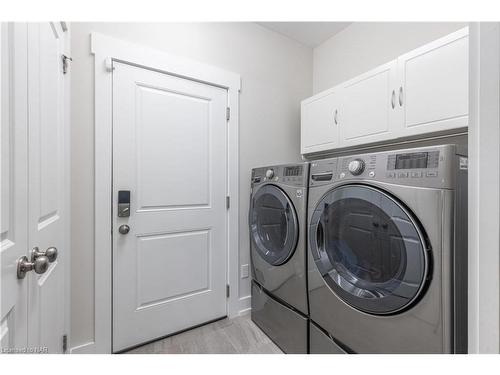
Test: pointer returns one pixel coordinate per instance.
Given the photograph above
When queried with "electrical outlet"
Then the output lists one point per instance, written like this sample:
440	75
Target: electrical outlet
244	271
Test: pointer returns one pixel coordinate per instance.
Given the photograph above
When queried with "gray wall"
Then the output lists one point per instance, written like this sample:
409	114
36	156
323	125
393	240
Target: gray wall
366	45
276	75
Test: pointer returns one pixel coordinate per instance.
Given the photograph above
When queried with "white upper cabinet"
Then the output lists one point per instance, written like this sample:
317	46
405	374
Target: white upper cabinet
434	89
320	122
368	106
424	91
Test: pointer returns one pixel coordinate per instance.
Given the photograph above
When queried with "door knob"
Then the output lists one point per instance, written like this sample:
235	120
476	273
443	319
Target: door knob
50	253
39	265
124	229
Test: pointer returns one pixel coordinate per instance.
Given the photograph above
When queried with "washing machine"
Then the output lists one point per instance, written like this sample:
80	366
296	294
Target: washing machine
387	250
278	248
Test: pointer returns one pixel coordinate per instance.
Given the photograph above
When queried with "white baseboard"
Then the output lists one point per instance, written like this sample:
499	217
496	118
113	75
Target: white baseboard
245	312
244	305
87	348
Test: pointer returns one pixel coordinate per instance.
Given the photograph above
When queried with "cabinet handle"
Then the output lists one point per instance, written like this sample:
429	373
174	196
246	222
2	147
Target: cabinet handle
335	118
393	99
401	96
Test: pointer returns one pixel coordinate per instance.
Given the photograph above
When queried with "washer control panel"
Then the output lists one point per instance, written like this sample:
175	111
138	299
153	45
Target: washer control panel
289	174
270	173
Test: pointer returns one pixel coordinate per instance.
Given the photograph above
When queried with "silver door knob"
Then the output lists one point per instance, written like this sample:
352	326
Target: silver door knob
124	229
50	253
40	265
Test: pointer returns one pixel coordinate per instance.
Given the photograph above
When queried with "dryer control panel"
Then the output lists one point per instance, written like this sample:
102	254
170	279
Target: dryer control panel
432	166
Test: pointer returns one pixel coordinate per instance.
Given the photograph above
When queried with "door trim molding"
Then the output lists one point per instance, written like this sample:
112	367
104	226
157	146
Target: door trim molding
484	180
106	50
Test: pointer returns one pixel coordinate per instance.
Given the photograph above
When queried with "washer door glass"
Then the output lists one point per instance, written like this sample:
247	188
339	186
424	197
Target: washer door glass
368	249
273	225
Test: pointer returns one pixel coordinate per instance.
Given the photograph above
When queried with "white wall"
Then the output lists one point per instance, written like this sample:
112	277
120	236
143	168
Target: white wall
276	75
365	45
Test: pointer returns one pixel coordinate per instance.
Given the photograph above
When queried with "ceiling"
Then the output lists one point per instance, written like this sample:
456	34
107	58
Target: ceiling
310	34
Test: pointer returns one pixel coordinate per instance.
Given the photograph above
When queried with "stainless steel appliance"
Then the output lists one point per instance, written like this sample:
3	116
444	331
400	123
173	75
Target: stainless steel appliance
277	221
388	250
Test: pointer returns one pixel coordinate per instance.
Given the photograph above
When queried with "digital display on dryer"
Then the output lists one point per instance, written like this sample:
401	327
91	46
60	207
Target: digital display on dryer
293	171
411	161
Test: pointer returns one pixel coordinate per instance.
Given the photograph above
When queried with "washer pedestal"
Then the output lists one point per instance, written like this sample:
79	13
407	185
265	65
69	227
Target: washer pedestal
286	327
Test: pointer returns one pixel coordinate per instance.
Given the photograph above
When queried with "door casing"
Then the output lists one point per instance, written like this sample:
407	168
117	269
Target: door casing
106	50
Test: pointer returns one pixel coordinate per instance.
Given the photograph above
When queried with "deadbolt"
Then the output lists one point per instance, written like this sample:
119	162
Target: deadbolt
124	203
124	229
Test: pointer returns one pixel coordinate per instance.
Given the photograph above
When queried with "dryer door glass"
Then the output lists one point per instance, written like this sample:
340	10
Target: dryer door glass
273	225
368	248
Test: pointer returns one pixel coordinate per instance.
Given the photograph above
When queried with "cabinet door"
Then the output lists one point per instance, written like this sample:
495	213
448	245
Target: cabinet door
319	122
369	107
434	85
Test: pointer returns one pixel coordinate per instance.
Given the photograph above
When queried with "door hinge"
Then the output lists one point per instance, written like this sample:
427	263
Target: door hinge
227	291
65	343
228	113
65	60
108	64
228	202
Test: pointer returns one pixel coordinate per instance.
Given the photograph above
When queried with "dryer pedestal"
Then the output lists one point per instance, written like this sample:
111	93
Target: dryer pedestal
287	328
321	343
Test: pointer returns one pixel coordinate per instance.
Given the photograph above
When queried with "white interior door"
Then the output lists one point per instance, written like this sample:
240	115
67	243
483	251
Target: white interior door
14	185
34	188
47	183
169	151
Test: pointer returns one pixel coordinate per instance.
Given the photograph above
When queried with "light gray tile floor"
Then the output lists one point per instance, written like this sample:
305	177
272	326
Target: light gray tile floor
227	336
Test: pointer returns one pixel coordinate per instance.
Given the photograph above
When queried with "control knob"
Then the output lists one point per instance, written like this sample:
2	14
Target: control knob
269	174
356	167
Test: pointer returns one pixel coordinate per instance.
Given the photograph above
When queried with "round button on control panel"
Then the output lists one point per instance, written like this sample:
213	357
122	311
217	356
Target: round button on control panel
356	166
269	173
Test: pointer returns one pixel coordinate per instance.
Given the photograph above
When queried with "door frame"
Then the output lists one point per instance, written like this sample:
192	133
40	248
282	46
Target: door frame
484	181
106	50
